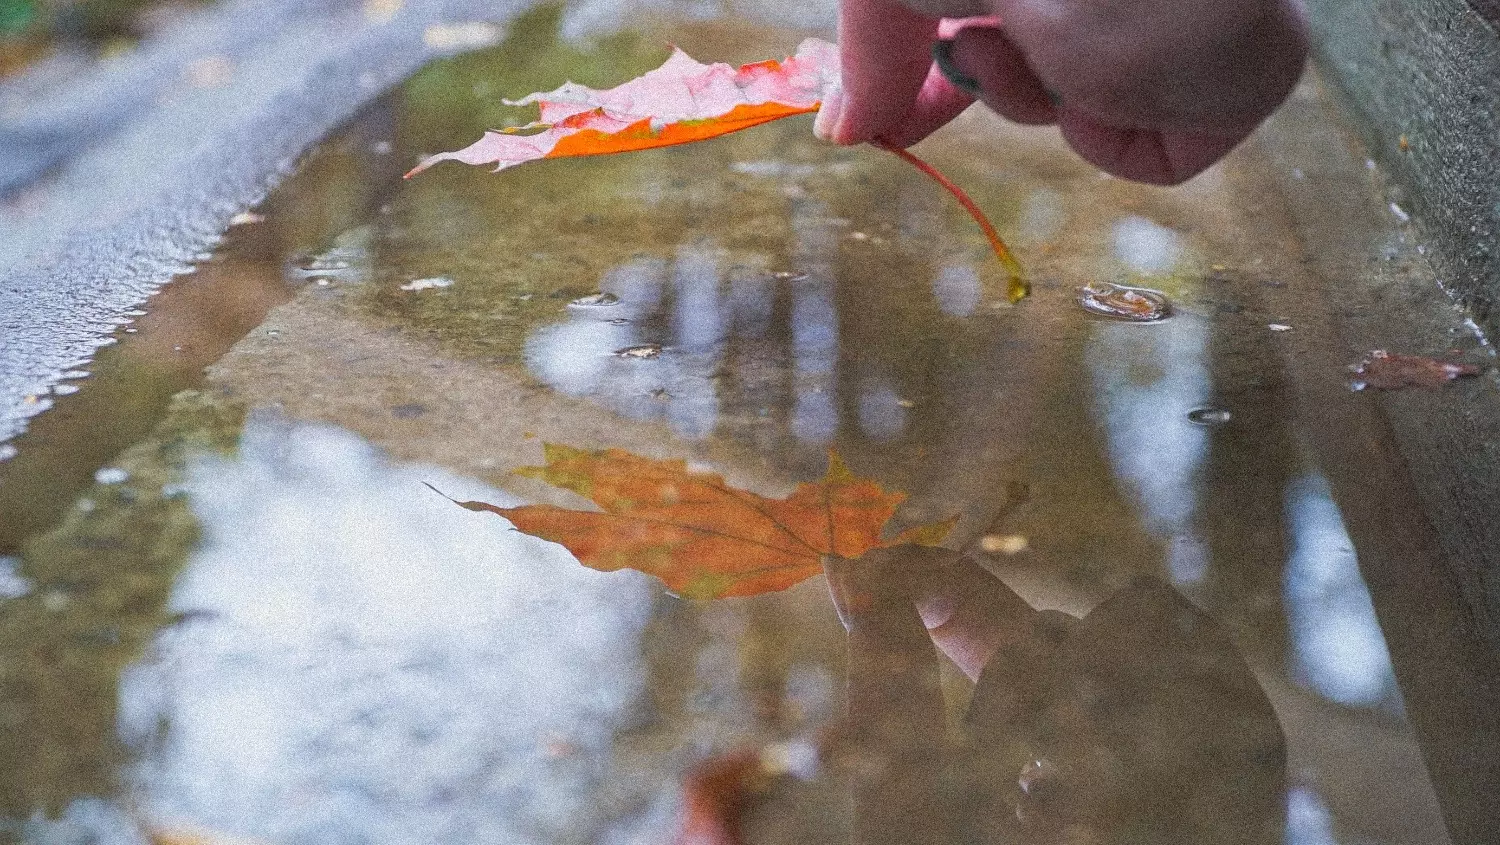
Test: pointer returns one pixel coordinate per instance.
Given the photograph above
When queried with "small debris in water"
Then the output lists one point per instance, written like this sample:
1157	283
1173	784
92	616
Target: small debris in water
1141	305
789	275
1278	327
603	299
1004	544
246	218
1208	416
455	37
645	350
408	411
1404	143
210	72
1384	370
111	475
427	284
380	11
1400	213
618	321
906	403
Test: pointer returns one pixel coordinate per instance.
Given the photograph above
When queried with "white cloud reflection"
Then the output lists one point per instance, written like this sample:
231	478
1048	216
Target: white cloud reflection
381	665
1146	380
956	288
1338	648
1145	246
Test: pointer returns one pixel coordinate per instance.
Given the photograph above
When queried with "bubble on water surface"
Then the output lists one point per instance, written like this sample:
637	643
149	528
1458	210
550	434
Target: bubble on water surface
1208	416
644	350
603	299
1141	305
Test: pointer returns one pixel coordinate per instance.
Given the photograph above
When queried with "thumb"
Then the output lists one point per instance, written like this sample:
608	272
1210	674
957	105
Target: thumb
984	62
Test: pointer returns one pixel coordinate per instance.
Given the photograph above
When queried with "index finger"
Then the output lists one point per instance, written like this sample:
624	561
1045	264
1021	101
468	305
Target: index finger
885	51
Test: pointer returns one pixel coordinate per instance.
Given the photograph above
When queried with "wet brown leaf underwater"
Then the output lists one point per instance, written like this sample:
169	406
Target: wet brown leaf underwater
700	536
1384	370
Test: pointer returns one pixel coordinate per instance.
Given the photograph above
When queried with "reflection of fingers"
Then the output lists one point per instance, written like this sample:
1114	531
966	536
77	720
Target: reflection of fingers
881	579
938	102
1005	81
1153	157
884	51
969	613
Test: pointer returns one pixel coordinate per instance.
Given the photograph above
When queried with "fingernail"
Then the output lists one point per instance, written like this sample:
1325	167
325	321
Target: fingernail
827	121
942	54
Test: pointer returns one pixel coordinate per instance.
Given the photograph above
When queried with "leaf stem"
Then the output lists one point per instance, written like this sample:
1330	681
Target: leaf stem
1018	287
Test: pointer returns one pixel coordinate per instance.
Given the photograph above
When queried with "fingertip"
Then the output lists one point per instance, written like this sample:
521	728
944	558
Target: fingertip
826	124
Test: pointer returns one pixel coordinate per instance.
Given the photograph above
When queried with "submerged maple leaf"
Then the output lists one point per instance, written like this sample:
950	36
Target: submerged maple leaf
700	536
683	101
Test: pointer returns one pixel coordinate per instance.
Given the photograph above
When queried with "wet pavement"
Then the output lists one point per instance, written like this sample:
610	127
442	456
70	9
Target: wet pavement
1208	591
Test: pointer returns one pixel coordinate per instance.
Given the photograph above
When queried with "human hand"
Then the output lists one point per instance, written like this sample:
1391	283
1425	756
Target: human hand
1149	90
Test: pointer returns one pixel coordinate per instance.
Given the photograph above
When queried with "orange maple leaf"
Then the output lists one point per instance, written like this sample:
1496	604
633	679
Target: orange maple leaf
700	536
683	101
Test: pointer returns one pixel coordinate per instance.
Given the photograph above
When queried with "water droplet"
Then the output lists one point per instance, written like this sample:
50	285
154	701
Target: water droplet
111	475
602	299
1209	416
1140	305
645	350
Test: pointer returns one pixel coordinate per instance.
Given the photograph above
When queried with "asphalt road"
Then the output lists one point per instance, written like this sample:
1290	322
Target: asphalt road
117	174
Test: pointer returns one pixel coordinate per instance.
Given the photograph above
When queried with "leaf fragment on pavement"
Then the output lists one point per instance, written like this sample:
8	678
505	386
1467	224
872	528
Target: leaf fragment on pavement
703	538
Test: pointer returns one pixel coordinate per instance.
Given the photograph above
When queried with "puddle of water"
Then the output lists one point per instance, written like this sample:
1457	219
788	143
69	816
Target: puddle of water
258	620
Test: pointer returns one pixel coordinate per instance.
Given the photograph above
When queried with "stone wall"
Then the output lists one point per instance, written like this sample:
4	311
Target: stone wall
1424	78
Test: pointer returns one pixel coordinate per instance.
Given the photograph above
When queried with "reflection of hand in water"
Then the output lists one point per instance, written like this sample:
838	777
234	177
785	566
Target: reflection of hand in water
1139	722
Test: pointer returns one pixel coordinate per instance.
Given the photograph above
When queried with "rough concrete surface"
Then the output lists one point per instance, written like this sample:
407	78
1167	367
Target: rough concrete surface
144	160
1428	72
